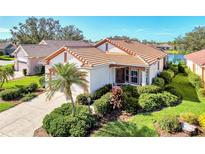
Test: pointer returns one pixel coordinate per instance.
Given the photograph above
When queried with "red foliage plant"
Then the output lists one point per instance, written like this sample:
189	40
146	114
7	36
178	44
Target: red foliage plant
117	97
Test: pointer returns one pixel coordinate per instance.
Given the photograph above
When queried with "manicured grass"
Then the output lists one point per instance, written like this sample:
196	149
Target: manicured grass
5	57
5	106
192	103
172	51
181	83
22	82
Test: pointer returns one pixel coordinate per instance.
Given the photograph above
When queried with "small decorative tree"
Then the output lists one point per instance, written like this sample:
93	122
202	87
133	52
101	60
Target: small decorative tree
117	97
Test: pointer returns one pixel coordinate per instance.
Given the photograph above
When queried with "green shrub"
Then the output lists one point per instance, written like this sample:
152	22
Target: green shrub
61	122
130	104
24	72
195	80
83	99
123	129
170	124
189	117
28	97
150	102
181	68
10	94
32	87
130	91
103	90
169	99
174	68
59	126
1	53
42	81
201	120
173	91
102	105
66	109
148	89
167	76
158	81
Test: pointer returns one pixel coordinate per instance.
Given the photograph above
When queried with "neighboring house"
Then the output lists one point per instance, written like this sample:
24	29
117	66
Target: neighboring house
110	61
164	47
29	56
196	63
7	48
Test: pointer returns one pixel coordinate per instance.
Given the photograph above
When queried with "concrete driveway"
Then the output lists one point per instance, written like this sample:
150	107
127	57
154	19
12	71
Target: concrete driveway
5	62
23	119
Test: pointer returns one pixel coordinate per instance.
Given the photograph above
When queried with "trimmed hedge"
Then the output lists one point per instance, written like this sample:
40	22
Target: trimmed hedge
130	104
195	80
42	81
83	99
173	91
102	105
150	102
148	89
174	68
130	91
61	123
158	81
169	99
10	94
170	124
167	75
103	90
28	97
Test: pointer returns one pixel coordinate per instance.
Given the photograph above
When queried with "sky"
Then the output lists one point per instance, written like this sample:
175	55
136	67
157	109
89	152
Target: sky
157	28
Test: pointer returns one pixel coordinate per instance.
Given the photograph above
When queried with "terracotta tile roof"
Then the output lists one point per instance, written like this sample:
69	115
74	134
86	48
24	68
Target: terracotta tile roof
127	60
197	57
91	56
145	52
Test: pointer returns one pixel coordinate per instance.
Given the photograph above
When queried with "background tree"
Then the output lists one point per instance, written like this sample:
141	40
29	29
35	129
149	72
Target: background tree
66	75
192	41
6	72
70	33
36	29
124	38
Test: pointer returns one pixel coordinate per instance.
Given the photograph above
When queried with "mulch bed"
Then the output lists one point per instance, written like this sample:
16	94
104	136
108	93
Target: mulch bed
40	132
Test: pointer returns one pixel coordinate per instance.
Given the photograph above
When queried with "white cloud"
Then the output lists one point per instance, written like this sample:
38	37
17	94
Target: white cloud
139	30
162	34
4	30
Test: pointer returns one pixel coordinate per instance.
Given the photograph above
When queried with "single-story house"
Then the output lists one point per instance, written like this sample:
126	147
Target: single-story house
110	61
29	56
164	47
196	63
7	48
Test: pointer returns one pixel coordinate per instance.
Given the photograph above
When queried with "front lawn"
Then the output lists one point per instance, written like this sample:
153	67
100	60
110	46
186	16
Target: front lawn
190	103
6	57
6	105
22	81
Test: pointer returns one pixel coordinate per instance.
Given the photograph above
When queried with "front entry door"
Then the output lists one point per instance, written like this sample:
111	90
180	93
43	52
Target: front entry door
120	75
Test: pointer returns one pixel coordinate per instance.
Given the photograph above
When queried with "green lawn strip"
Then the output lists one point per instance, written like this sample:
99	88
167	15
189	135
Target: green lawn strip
7	58
6	105
191	103
181	83
25	81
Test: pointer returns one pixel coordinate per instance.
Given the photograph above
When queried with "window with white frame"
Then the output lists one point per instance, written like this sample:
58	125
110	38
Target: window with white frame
147	76
106	46
158	65
134	76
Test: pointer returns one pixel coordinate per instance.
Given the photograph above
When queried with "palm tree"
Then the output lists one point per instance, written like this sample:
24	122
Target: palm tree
6	72
66	75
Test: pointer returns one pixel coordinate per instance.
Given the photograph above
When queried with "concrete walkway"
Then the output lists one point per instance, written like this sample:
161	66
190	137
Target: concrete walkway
23	119
6	62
